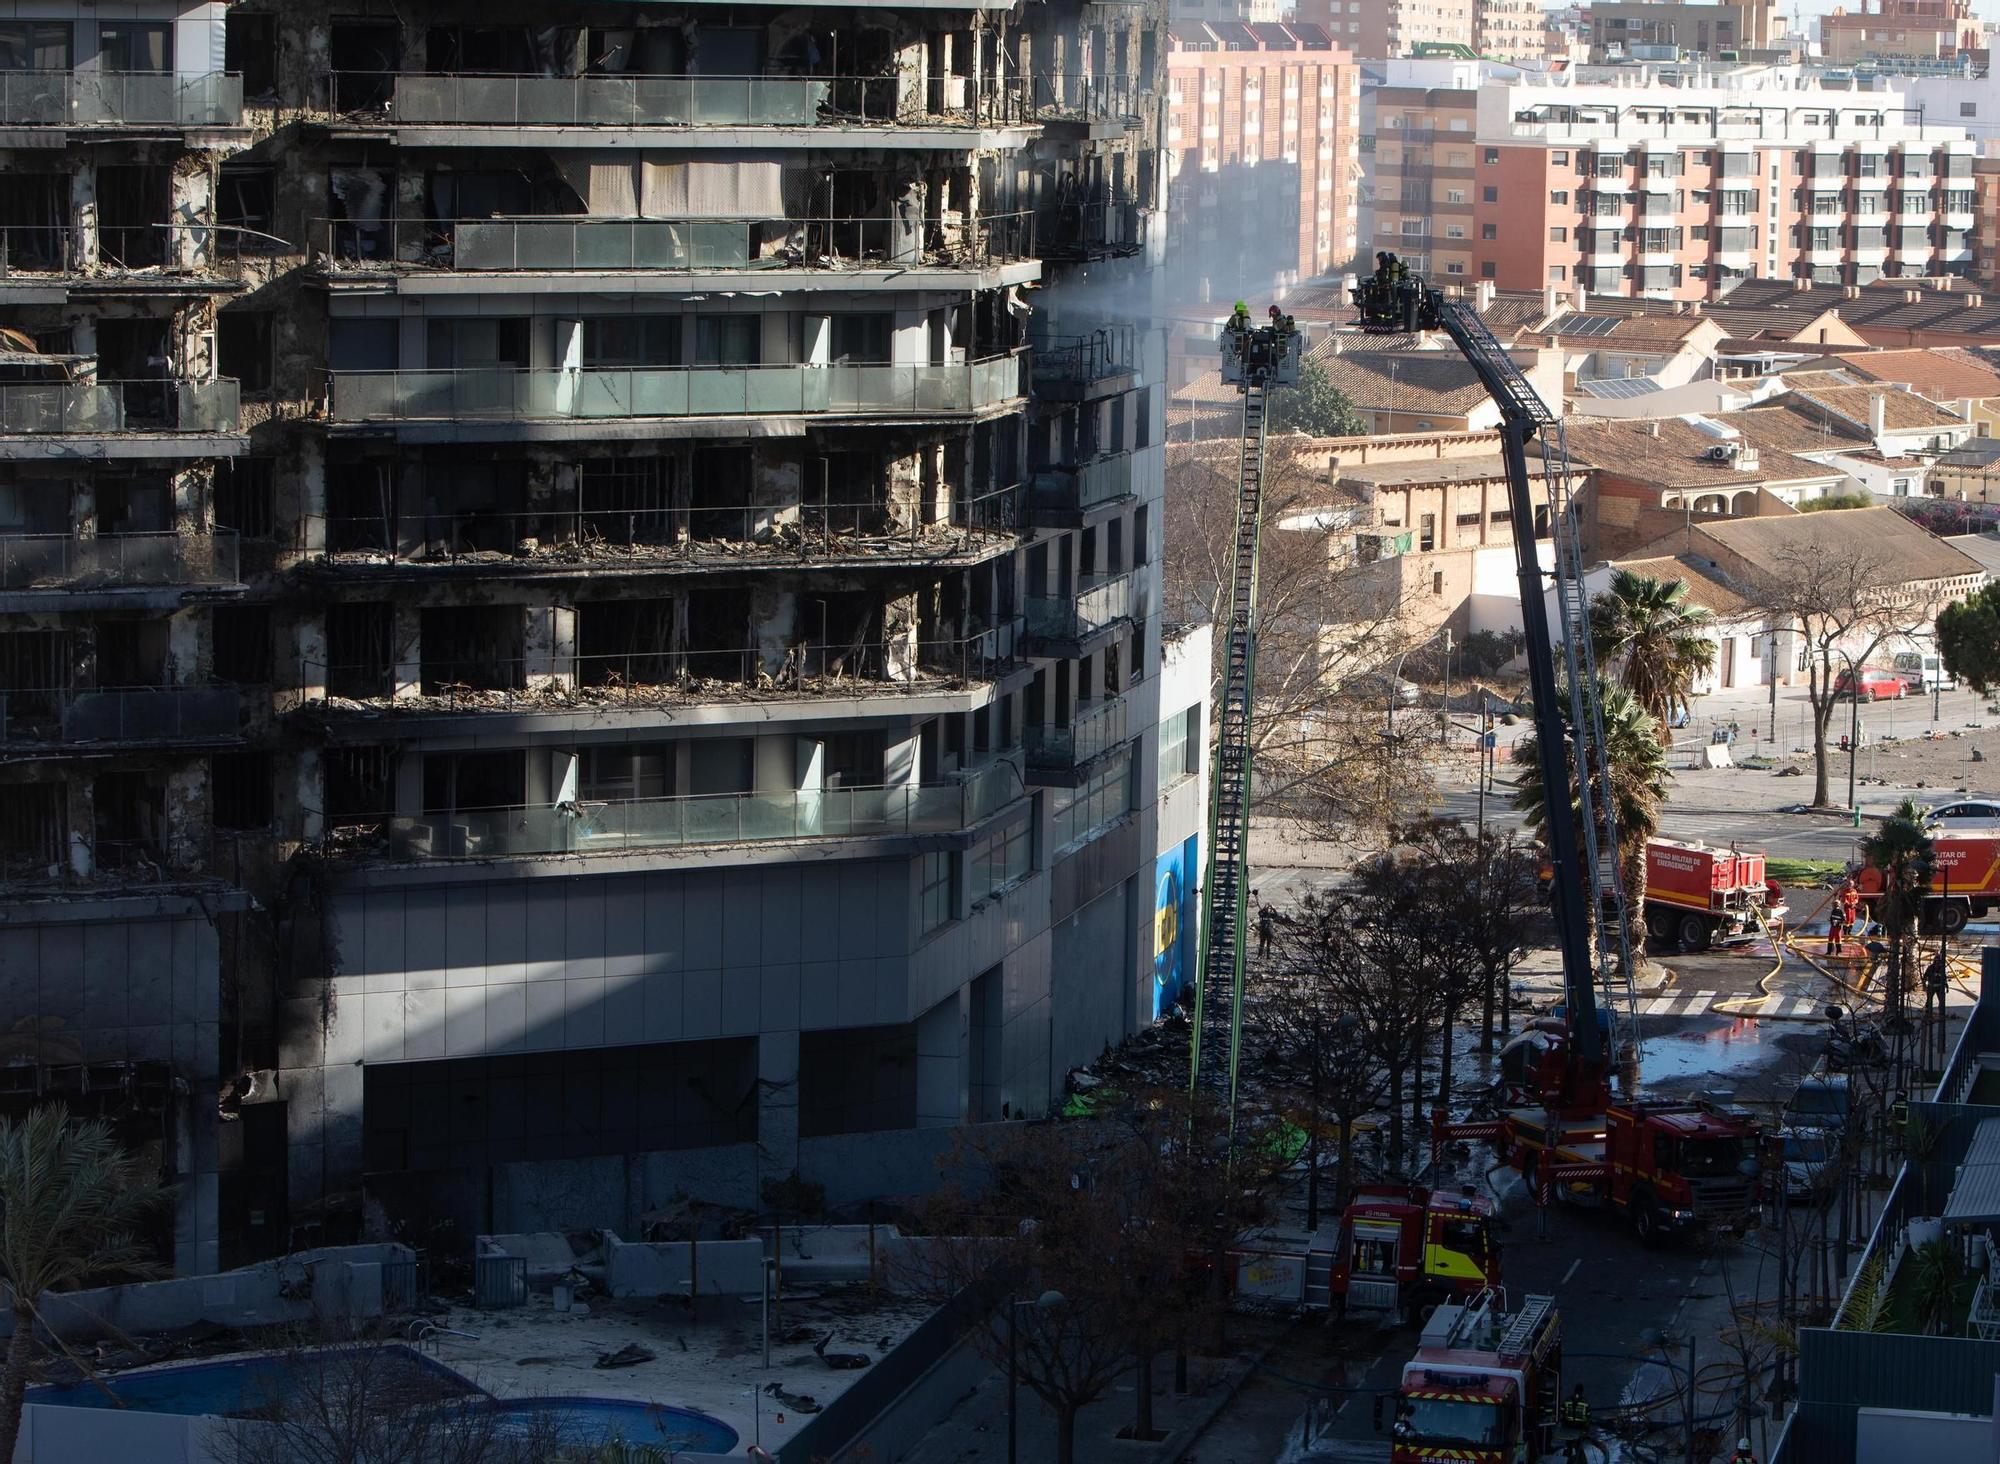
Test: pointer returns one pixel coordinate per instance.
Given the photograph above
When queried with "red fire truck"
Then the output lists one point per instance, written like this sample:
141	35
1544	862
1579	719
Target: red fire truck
1964	884
1698	895
1484	1384
1396	1249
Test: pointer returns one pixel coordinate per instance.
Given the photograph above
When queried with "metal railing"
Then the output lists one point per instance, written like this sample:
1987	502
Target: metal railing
1085	485
1085	98
1103	229
1076	360
120	99
679	101
55	249
672	391
594	243
647	678
119	714
815	528
1099	601
591	827
63	561
1096	728
120	406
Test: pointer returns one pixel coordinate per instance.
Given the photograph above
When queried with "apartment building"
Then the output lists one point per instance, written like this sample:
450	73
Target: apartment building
1509	30
1425	173
1899	30
1681	190
572	633
1721	30
1383	31
1263	123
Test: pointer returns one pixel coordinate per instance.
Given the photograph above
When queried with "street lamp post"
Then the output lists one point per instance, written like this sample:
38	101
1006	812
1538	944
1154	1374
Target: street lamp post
1043	1302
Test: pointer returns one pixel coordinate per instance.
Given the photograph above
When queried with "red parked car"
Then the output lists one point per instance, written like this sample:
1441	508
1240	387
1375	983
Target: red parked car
1875	683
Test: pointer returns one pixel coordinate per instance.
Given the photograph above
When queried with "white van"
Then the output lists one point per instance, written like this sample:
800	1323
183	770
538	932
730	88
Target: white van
1924	670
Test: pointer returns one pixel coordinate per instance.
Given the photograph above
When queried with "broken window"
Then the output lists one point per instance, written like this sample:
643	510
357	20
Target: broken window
34	829
845	492
494	50
239	791
456	780
656	50
359	784
243	200
135	45
857	1080
37	45
132	653
718	496
626	500
627	770
626	643
360	508
134	203
34	672
632	340
241	644
360	661
471	507
134	353
131	816
34	225
480	193
358	199
134	503
246	497
719	634
243	349
362	54
477	647
250	48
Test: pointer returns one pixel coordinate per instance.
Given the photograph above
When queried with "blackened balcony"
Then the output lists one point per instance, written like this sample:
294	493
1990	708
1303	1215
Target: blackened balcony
89	408
1099	602
1082	367
1063	494
1095	728
68	564
152	714
1086	232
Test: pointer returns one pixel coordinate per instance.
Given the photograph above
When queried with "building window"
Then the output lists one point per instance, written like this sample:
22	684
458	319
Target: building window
1454	231
1003	858
243	348
1081	814
1558	273
1427	532
240	791
1437	582
1489	231
1488	269
934	904
245	497
1178	741
1559	159
1559	236
1559	196
1454	195
1454	267
1968	109
1492	155
1489	194
1455	159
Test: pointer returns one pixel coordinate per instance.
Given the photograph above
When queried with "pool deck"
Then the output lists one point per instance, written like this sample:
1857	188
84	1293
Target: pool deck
713	1364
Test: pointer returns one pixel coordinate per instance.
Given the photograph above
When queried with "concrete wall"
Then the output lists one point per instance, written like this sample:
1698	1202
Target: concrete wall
127	980
724	1267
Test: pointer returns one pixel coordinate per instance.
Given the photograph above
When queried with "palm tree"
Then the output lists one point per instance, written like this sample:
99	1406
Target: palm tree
1652	628
1902	850
1638	775
71	1201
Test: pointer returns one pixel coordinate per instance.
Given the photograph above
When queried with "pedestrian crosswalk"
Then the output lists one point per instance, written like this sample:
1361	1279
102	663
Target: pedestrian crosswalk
1780	1005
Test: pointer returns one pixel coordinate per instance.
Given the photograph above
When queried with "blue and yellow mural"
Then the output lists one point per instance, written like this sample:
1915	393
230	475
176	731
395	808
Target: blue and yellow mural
1176	880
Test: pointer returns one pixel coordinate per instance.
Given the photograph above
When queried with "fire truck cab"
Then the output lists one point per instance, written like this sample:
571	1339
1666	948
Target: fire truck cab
1484	1384
1403	1245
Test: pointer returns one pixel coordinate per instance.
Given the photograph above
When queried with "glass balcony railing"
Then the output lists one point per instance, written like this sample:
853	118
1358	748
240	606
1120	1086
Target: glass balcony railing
1099	601
116	561
1097	727
680	101
120	99
1084	486
1067	365
673	391
120	714
119	406
576	243
588	827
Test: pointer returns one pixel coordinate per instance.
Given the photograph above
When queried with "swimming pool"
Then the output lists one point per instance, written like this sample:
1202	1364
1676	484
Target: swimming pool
242	1387
603	1420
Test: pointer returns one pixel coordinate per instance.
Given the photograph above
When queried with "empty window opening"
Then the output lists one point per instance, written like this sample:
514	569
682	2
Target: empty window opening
857	1080
239	791
243	349
132	653
493	49
627	643
719	497
475	647
134	203
34	829
718	634
360	784
626	501
250	48
35	505
131	819
627	770
34	224
360	508
842	636
360	661
246	498
357	200
468	780
34	673
134	354
846	493
362	54
473	507
241	644
244	200
483	193
134	503
659	50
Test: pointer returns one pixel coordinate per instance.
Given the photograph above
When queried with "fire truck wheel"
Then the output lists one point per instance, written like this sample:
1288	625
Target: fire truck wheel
1659	923
1530	1176
1953	916
1646	1220
1696	932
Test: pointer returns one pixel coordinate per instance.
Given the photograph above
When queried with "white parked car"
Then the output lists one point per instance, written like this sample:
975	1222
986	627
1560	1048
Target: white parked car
1964	813
1923	670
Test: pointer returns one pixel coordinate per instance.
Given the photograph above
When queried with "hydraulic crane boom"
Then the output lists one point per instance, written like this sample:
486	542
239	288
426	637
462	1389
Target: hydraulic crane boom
1254	361
1393	301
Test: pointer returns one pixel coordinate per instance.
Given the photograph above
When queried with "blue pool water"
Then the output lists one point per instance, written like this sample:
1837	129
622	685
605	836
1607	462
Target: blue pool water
249	1385
601	1420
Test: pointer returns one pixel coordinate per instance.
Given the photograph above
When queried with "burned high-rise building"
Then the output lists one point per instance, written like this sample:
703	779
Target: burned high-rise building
577	604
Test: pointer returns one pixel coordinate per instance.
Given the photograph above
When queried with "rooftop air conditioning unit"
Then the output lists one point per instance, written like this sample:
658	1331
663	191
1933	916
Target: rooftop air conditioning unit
1723	452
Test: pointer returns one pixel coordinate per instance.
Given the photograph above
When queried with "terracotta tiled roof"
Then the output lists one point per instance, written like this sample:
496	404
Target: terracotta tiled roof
1902	411
1769	544
1406	381
1783	427
1884	304
1706	588
1676	454
1944	374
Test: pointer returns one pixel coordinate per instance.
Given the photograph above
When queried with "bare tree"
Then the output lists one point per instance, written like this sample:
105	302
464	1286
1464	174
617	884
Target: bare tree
1843	600
1324	622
